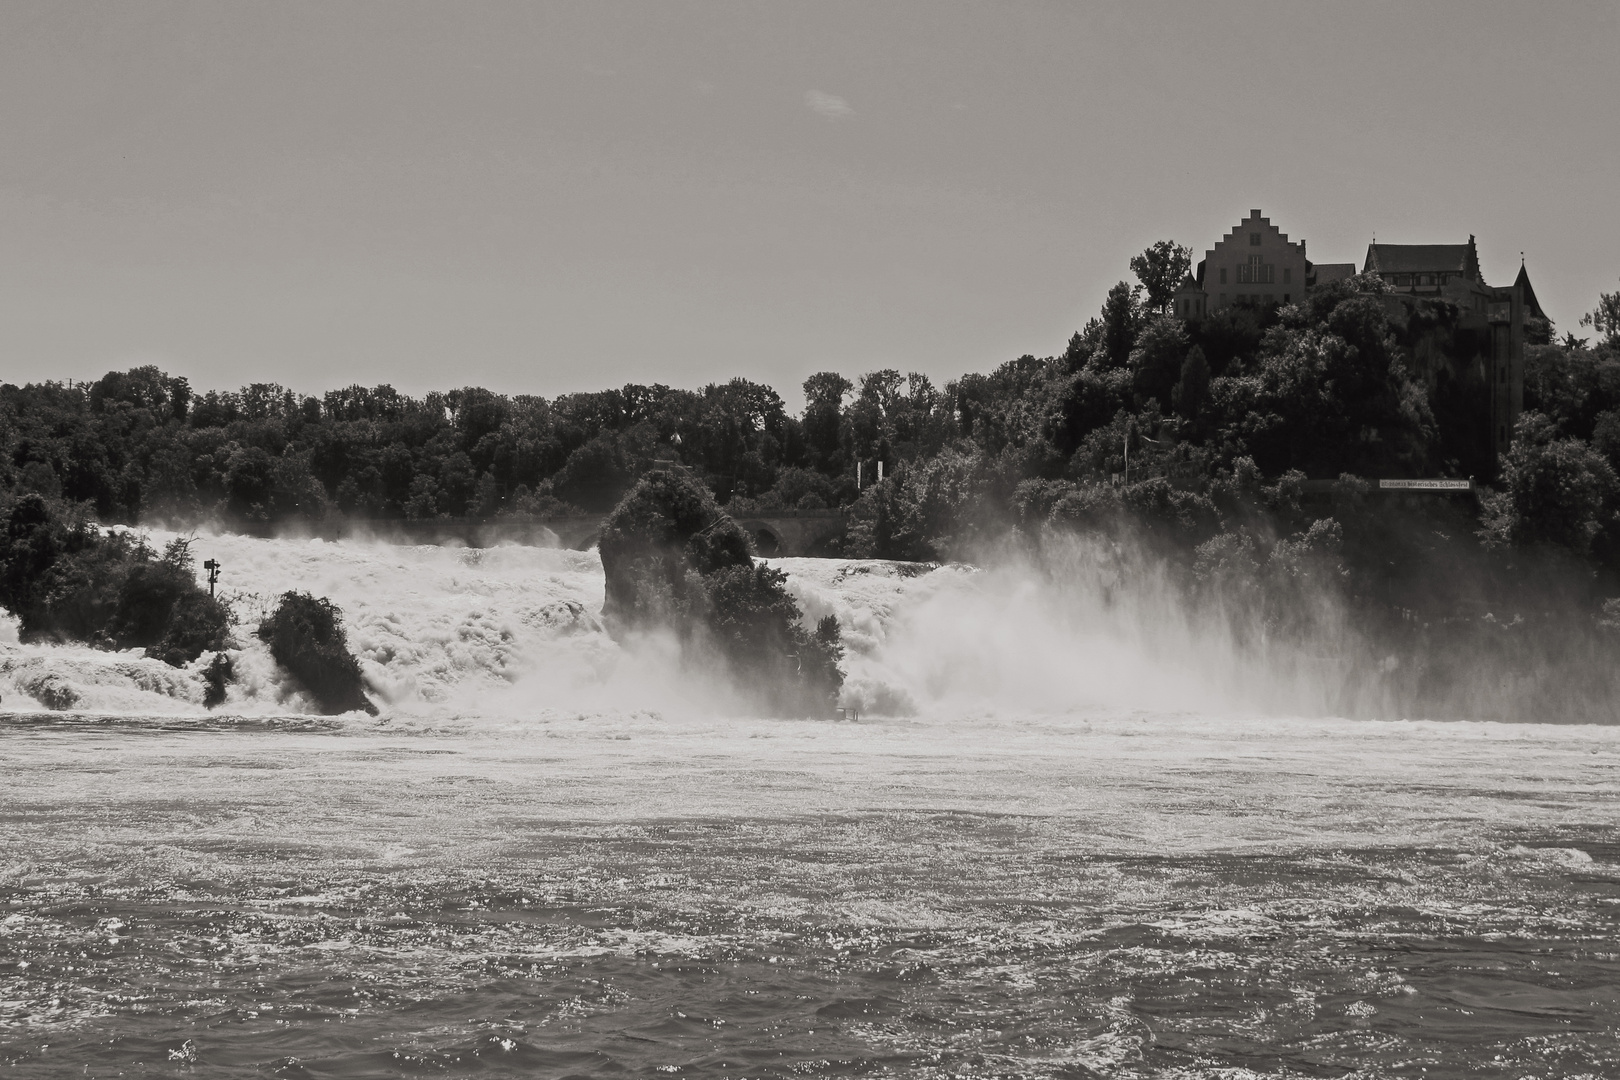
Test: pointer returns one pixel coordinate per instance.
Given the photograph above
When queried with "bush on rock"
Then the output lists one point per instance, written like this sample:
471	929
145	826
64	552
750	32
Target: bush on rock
305	635
673	559
219	674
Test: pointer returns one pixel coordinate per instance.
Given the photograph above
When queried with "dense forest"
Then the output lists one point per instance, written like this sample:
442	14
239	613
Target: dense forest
1197	440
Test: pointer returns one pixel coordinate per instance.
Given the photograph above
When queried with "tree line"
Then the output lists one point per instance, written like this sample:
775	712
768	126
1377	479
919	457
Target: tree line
1331	386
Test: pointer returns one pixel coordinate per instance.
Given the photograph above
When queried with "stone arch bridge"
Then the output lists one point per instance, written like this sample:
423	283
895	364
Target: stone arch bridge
785	533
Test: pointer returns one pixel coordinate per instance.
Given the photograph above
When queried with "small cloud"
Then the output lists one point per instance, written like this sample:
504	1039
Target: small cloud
831	106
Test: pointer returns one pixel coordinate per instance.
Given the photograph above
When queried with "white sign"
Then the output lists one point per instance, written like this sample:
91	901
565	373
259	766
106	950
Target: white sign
1424	485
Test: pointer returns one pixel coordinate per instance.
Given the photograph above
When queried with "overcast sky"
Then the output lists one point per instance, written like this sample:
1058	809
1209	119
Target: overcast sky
549	197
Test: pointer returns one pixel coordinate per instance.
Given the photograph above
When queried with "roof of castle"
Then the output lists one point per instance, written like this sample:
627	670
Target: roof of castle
1530	302
1423	259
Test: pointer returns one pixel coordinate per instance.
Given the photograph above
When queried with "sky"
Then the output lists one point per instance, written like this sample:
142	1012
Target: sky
552	197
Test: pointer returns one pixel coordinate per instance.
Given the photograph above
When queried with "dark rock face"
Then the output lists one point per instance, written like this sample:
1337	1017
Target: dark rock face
673	559
52	691
305	635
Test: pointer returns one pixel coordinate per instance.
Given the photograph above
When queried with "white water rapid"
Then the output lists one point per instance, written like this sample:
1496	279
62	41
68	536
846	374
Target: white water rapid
512	632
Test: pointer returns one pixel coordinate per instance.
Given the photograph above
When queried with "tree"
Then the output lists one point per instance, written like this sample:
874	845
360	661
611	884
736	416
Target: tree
64	579
824	395
1557	490
1156	362
250	483
1605	318
597	474
1161	269
1327	393
873	411
1121	320
1190	393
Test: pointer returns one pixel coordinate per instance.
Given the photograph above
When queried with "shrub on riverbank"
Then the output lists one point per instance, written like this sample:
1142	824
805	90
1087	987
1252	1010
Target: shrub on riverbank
66	580
673	560
305	634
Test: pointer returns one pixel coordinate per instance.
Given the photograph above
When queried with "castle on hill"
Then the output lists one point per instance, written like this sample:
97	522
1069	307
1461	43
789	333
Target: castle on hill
1470	354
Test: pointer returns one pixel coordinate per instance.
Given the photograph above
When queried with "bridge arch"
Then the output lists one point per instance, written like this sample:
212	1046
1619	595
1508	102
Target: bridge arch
767	540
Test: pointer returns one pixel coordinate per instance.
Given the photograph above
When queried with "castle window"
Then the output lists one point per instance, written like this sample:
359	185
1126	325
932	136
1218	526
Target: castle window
1403	279
1288	275
1285	278
1254	239
1428	279
1255	272
1223	277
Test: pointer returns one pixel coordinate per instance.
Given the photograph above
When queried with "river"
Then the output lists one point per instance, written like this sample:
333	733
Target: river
1053	846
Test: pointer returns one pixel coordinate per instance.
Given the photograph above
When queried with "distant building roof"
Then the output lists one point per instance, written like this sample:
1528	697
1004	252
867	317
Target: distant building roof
1326	272
1530	302
1423	259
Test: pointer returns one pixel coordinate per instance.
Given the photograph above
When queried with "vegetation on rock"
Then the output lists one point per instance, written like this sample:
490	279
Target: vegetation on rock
673	560
67	580
305	634
216	677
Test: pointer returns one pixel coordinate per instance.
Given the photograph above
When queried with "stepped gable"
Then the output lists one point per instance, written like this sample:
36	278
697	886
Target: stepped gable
1253	263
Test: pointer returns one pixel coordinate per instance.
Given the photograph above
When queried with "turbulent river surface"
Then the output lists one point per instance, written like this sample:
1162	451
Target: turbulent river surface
1059	842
